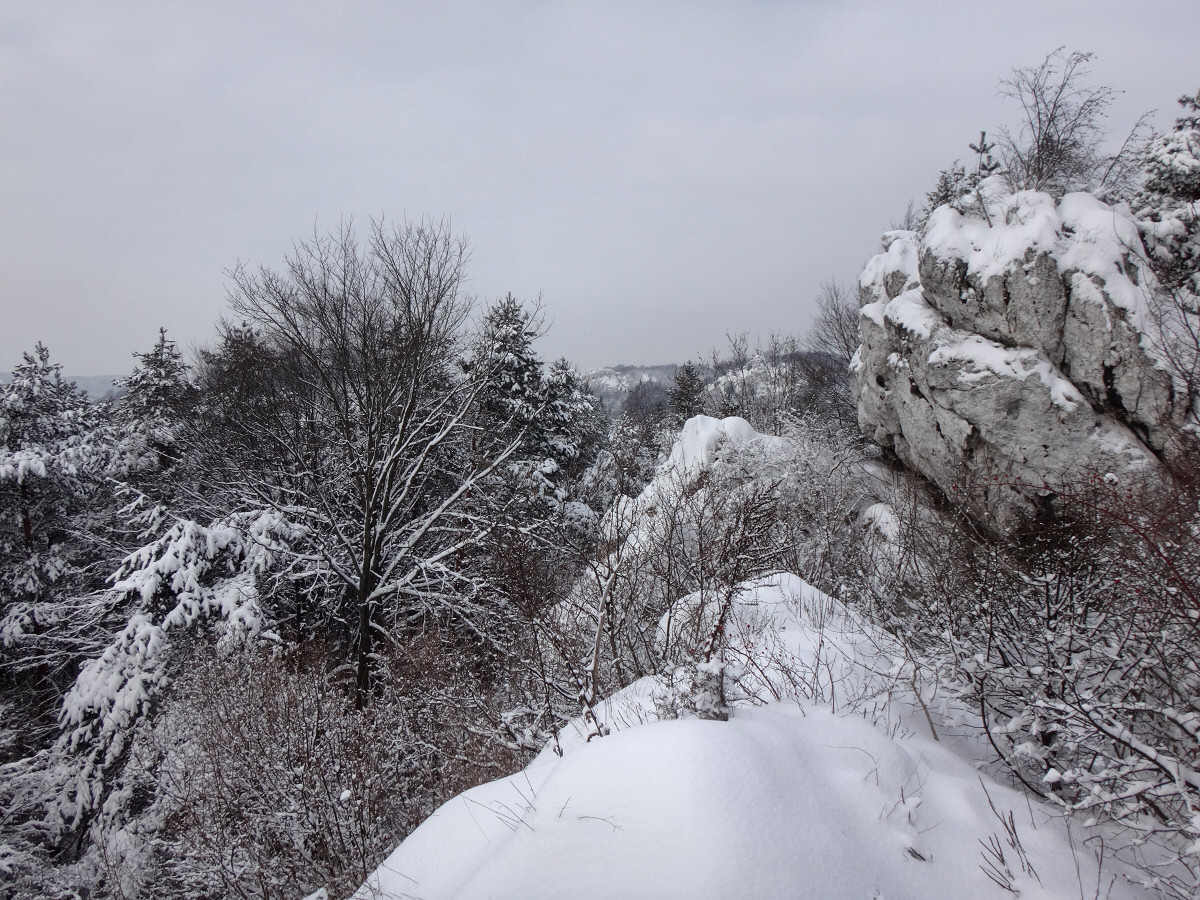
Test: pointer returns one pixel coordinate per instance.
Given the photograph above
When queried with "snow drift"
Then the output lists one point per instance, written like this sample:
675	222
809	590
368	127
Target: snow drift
823	785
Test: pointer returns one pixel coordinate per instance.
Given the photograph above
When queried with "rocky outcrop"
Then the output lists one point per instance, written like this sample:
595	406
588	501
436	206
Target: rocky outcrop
1013	354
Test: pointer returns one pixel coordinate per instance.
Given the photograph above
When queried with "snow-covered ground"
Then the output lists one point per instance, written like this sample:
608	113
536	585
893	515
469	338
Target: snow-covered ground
826	781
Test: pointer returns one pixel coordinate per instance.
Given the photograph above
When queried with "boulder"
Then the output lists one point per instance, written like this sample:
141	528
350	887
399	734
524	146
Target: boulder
1003	359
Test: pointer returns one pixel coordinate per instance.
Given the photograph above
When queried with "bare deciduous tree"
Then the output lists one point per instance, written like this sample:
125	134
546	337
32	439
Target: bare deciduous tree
369	445
831	343
835	327
1057	146
910	220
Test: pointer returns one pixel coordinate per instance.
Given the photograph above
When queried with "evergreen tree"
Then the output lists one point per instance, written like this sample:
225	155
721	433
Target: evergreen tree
950	187
573	424
158	396
1167	201
505	359
686	396
158	388
1168	209
45	451
959	188
242	378
548	407
55	498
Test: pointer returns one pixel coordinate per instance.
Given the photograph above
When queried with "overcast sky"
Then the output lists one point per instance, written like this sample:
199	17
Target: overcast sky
661	173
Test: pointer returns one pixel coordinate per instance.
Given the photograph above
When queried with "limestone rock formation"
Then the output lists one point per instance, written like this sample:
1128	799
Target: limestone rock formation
1013	351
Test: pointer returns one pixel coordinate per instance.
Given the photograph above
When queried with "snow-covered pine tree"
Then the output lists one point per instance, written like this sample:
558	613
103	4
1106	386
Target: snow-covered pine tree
547	408
511	370
158	394
959	188
58	519
53	457
574	424
1167	201
1168	209
687	393
950	187
158	387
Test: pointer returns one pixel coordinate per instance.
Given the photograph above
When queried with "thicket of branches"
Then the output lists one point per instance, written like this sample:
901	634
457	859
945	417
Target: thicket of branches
1057	146
1060	142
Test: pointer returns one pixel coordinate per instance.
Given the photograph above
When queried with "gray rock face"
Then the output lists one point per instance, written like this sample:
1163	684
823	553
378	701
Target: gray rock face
1004	360
1023	307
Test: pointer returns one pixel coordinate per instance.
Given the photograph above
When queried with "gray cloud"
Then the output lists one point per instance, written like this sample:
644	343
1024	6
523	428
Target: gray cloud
661	173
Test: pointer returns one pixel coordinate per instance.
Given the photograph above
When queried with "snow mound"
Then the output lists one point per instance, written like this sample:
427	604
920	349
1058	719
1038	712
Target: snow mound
789	798
778	802
702	436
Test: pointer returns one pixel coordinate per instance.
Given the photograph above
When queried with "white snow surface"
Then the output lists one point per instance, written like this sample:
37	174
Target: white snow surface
910	312
801	794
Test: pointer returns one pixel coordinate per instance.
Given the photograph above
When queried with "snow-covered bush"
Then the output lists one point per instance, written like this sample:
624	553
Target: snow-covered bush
727	505
762	384
193	576
1058	143
1077	644
692	689
262	780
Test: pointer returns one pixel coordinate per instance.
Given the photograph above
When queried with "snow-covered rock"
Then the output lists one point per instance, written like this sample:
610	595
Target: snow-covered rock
701	441
702	436
1014	349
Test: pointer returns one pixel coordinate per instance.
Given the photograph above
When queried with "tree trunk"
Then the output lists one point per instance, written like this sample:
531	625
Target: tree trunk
363	682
